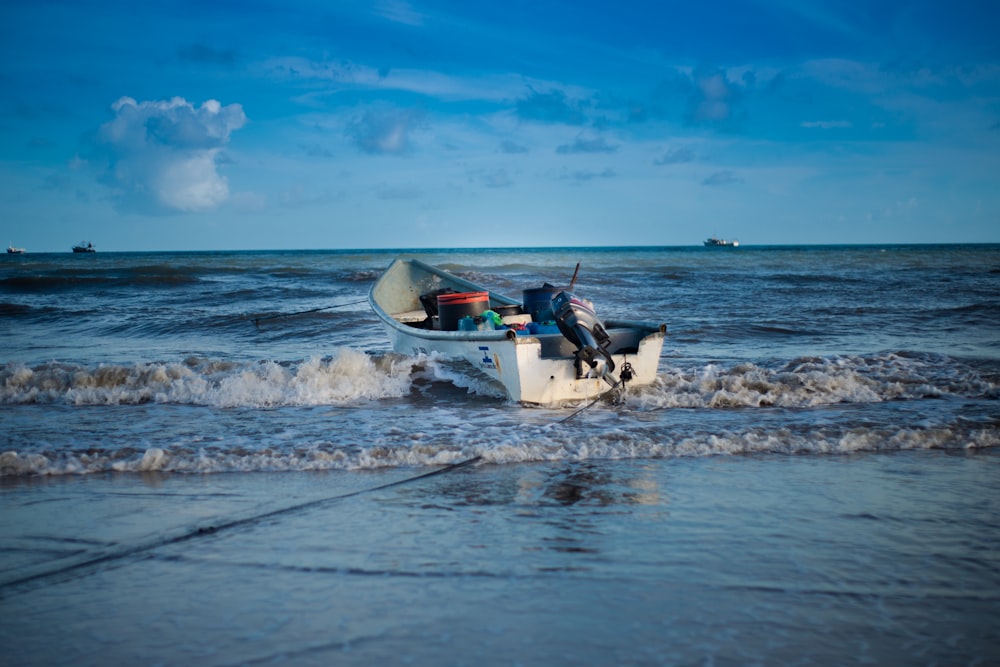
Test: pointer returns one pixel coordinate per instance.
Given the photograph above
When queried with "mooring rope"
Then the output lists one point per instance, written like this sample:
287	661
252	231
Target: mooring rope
202	531
594	402
627	373
258	320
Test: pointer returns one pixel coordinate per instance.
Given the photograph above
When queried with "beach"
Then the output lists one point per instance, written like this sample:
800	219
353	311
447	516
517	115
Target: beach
847	559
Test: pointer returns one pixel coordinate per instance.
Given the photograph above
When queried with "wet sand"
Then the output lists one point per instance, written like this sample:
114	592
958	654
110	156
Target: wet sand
861	559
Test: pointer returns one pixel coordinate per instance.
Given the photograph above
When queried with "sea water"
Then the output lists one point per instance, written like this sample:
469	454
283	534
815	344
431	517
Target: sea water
810	480
198	362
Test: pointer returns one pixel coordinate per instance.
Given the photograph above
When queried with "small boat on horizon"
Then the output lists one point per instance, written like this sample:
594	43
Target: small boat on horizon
714	242
12	250
550	349
84	246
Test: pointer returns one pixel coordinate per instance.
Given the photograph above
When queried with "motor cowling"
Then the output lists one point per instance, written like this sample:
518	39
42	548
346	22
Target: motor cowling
580	325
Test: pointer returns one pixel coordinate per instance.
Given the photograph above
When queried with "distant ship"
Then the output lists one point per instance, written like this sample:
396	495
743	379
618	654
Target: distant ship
11	250
721	243
85	246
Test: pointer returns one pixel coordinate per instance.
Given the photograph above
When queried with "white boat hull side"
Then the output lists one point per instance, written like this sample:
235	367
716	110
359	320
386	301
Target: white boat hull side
517	364
553	380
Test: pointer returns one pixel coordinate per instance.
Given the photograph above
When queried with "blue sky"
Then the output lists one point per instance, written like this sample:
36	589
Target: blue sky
320	124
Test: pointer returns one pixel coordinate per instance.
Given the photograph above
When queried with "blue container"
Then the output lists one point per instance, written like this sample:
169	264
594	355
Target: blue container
538	302
537	328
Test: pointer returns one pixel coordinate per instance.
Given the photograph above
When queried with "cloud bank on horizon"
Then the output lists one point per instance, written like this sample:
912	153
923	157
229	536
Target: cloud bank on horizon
434	124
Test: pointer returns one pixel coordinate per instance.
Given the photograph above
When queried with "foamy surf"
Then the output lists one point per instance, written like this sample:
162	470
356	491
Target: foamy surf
812	382
350	376
346	377
499	445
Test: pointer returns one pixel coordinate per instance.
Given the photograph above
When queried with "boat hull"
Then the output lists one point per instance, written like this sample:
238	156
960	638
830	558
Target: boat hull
721	243
517	364
535	369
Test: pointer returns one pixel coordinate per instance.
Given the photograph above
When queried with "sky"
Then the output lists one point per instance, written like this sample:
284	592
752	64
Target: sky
315	124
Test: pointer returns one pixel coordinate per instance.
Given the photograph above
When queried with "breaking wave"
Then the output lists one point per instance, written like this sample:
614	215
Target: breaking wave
348	376
345	412
528	444
352	375
813	381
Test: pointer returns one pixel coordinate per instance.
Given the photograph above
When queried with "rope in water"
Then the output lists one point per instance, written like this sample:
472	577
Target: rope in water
202	531
258	320
627	373
594	402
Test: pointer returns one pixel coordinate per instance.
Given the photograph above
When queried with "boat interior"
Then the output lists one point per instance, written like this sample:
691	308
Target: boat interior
624	340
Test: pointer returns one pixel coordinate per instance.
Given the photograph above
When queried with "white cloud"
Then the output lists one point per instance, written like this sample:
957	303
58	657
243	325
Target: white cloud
296	68
725	177
512	148
190	183
248	202
384	131
399	12
342	74
492	178
827	124
844	74
587	145
714	97
164	153
675	156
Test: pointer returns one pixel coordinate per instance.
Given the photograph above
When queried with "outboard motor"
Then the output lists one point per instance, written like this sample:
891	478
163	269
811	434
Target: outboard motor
580	325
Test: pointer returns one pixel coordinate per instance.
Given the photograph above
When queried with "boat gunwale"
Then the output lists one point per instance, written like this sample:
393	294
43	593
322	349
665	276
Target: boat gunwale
645	328
435	334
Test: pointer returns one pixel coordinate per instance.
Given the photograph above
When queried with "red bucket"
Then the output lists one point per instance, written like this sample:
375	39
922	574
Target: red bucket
453	307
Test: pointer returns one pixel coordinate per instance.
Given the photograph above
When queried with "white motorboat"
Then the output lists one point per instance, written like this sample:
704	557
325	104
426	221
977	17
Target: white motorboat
12	250
558	351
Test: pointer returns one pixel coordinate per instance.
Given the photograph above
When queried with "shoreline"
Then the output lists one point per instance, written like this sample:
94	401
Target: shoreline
762	558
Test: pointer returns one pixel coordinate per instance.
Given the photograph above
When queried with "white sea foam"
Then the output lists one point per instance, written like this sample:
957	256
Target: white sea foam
445	428
351	375
501	445
346	377
815	382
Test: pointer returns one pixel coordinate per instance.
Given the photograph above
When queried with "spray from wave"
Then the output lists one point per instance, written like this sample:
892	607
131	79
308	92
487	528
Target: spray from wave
348	376
351	375
269	421
812	382
500	445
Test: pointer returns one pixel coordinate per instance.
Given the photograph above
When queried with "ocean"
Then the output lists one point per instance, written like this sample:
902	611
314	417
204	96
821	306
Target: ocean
215	458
